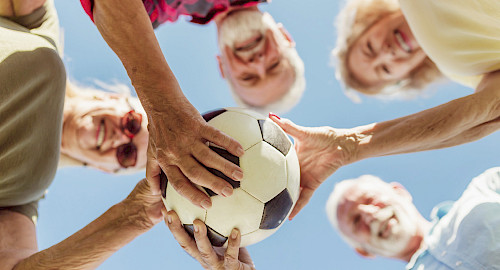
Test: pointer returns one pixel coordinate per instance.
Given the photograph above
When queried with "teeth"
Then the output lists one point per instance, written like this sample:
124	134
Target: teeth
100	137
402	42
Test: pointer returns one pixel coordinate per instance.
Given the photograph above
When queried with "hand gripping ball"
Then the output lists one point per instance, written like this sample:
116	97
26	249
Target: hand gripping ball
265	196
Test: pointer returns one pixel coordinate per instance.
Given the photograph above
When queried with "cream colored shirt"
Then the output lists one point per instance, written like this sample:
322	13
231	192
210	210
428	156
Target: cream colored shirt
461	36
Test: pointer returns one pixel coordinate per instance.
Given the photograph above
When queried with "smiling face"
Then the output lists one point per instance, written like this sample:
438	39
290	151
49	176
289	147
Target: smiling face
253	57
94	131
379	217
385	53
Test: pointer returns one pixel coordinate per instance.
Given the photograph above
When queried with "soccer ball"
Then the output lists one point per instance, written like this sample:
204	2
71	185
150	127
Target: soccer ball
265	196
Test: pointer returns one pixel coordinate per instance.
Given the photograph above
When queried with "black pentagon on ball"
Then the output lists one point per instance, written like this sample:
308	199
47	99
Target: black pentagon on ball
234	159
212	114
216	239
163	184
274	136
275	210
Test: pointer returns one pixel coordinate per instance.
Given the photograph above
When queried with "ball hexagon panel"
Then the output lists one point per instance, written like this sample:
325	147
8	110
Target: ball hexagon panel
256	236
239	126
293	174
248	112
186	211
264	171
274	135
239	210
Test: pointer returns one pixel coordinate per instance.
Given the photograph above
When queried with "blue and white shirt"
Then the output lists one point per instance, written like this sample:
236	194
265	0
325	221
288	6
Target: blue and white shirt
466	233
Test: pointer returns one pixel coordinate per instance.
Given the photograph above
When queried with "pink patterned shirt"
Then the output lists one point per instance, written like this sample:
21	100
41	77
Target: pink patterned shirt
201	11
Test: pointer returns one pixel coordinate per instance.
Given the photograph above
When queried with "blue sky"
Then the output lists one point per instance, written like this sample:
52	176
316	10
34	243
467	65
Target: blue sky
79	195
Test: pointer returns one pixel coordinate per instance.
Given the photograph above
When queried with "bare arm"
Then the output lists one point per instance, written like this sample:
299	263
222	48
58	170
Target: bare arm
19	7
456	122
177	132
87	248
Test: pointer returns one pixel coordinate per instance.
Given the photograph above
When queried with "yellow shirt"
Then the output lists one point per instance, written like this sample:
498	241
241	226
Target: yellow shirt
461	36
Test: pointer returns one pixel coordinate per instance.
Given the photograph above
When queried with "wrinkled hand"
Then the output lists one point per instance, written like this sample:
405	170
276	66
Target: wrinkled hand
144	205
178	139
320	150
200	248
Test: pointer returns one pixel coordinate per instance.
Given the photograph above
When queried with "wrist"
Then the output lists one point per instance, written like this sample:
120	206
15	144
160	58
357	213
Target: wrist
133	216
352	142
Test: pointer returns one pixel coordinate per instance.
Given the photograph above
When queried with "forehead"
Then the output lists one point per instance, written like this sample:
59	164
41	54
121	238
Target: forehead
269	89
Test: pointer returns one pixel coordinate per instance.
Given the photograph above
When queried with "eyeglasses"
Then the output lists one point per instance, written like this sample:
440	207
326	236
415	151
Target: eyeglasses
130	124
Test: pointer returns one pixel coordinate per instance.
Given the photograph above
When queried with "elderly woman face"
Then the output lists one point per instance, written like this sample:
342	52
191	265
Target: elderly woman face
385	53
106	133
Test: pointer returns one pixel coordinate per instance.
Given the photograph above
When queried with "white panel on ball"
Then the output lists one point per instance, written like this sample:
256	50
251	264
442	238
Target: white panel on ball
264	170
293	173
239	210
239	126
251	113
256	236
186	211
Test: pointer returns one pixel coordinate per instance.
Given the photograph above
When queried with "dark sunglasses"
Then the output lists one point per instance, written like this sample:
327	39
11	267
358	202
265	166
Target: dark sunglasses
130	123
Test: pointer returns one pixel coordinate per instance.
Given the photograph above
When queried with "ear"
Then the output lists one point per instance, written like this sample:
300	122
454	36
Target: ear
221	70
364	253
286	34
400	189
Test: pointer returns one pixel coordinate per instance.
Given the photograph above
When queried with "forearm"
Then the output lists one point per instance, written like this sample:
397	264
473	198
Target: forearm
456	122
126	27
93	244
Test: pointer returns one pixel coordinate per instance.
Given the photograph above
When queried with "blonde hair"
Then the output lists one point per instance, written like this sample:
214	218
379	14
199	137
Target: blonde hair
75	90
353	20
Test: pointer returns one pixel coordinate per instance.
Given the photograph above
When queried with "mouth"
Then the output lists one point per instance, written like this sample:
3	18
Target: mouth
101	132
386	226
248	44
402	41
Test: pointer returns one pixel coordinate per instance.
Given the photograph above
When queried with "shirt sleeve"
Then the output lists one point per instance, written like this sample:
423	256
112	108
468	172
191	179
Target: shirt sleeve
488	182
88	6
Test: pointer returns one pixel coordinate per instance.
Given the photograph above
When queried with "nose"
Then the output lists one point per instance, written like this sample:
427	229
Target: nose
367	213
258	63
385	55
119	138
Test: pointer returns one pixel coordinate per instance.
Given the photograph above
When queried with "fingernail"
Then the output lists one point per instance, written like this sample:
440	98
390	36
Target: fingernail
234	234
206	204
227	191
196	229
272	114
240	151
238	175
169	219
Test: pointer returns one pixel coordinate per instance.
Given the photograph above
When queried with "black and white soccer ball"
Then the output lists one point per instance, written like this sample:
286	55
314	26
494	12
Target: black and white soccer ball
265	196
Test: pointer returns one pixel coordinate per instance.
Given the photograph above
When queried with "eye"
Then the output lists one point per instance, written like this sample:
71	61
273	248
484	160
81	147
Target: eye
386	70
274	65
370	48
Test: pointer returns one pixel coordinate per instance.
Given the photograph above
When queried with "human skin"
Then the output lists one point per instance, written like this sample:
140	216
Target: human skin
322	150
87	248
386	52
202	250
177	132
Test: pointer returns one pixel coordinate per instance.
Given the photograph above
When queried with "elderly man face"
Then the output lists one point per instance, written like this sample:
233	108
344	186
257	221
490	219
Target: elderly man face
254	56
378	217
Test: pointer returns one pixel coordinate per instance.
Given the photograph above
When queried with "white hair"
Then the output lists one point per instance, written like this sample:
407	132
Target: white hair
293	95
340	189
